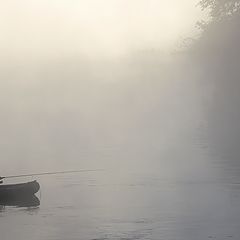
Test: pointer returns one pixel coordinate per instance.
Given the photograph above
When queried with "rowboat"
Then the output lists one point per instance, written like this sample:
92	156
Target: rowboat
18	191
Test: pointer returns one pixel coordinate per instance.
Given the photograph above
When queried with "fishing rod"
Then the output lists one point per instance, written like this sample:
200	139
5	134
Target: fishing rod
51	173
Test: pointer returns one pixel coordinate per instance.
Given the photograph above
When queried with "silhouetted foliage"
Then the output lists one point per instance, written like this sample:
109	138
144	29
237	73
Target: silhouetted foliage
221	32
220	8
218	53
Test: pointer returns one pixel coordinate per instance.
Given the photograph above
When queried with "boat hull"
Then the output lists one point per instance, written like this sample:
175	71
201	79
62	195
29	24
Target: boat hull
28	201
21	190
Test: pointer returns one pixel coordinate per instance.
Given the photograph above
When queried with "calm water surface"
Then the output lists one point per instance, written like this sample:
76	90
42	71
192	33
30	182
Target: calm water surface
199	199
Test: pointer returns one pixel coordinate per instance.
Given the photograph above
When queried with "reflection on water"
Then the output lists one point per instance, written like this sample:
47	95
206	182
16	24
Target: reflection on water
28	201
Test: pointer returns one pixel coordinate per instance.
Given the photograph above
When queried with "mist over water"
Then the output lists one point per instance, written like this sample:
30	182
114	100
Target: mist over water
70	114
87	85
143	121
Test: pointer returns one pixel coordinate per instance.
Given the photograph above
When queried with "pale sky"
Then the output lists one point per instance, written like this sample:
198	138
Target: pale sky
46	28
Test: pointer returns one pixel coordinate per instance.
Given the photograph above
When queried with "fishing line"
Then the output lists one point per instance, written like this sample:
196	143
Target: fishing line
51	173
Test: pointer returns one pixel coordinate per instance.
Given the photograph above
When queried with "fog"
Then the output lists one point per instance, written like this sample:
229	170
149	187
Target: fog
93	29
92	84
148	91
78	77
96	114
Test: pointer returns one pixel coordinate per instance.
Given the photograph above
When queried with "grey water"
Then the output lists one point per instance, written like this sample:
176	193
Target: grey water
200	205
161	179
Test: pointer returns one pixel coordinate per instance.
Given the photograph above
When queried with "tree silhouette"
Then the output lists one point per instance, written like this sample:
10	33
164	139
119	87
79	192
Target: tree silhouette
220	9
217	52
221	30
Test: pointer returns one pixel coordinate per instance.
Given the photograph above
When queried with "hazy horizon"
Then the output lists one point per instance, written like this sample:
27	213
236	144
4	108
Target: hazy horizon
93	29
